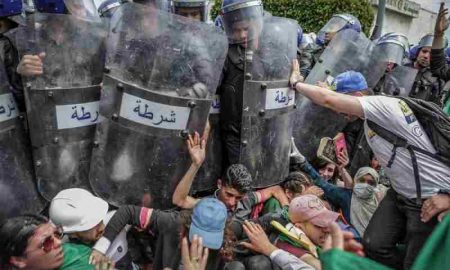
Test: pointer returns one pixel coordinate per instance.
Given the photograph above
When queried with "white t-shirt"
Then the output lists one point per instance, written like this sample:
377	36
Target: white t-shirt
395	115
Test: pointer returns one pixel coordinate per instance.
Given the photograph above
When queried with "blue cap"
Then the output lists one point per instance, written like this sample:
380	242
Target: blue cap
350	82
208	222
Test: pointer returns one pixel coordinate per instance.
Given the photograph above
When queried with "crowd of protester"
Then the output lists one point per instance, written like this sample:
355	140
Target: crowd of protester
362	212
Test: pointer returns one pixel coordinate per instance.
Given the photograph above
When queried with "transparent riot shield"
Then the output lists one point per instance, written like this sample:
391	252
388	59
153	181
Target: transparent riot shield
349	50
18	193
63	102
161	76
268	102
399	81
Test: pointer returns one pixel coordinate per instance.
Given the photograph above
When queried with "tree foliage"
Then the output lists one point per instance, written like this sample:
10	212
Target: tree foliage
313	14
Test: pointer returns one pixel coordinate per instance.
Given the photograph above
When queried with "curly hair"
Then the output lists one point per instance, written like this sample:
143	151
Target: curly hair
296	182
238	177
229	239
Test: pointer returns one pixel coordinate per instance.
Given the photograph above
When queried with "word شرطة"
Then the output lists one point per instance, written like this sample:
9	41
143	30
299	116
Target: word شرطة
149	115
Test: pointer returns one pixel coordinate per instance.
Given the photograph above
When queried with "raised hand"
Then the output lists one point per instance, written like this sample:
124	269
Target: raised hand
442	21
197	149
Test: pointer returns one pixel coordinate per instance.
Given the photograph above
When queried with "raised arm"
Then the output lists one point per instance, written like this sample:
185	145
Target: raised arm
125	215
324	97
197	150
441	26
343	162
438	64
276	191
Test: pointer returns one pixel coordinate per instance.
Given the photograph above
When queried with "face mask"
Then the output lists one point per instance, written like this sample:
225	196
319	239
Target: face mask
363	191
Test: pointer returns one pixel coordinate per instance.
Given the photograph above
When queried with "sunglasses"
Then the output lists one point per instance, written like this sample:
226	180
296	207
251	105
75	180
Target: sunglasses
48	243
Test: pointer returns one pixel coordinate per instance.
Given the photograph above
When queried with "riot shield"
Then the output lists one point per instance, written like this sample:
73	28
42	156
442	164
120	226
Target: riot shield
268	103
161	76
63	102
18	193
399	81
349	50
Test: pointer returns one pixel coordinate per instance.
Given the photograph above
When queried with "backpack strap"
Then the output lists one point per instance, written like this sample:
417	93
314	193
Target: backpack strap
398	141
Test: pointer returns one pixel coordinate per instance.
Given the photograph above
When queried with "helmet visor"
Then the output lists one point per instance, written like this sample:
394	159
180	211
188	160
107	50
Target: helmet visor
243	25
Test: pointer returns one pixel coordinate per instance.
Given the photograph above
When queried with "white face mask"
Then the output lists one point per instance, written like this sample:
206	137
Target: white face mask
363	191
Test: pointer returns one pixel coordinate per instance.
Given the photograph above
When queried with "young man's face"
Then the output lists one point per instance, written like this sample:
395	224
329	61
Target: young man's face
327	172
191	13
44	250
423	58
92	235
241	32
316	234
229	196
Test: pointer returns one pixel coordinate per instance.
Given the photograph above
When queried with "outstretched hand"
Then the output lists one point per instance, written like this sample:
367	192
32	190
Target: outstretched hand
197	149
442	21
259	242
195	257
295	74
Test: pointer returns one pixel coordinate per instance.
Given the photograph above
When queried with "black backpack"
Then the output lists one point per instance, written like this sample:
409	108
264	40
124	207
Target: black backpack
436	125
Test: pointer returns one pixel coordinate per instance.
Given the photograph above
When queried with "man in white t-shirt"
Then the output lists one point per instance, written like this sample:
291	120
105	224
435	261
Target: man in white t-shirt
399	215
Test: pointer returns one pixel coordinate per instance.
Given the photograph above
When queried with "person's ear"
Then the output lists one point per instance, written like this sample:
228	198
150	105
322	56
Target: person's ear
288	193
219	183
18	262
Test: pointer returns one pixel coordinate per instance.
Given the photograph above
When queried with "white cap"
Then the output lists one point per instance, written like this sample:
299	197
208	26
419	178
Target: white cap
77	210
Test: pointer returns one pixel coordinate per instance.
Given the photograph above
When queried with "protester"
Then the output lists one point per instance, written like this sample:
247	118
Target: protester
399	212
439	65
309	220
82	217
32	242
295	184
232	188
207	220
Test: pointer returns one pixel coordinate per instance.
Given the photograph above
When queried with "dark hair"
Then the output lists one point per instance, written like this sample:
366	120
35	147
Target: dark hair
295	182
295	163
319	163
14	235
238	177
229	239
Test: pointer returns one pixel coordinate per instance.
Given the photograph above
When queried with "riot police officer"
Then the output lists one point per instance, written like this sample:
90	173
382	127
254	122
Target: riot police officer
310	55
9	17
395	49
242	21
426	86
192	9
107	8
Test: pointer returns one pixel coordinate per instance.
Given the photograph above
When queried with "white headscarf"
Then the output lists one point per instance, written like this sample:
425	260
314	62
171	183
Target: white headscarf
363	207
